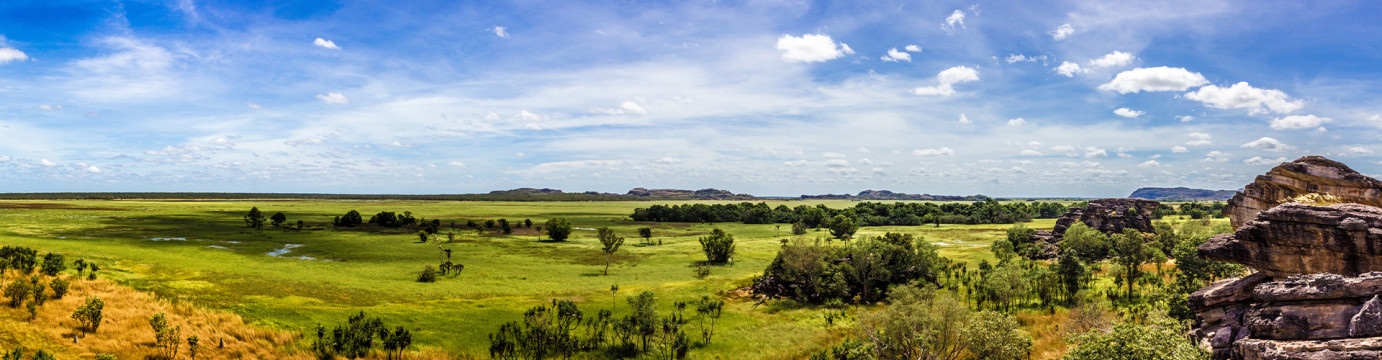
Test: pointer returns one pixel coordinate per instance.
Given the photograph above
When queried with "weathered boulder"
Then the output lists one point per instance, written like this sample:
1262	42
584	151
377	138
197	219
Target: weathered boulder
1302	239
1337	349
1309	174
1109	216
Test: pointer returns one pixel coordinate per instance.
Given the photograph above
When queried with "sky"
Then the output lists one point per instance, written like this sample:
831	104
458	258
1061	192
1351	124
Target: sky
771	98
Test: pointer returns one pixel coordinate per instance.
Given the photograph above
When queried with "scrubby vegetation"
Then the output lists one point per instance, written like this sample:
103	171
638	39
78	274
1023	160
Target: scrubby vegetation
864	213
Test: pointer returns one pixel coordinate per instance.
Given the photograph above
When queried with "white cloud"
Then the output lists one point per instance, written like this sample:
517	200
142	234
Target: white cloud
1017	122
955	18
1093	152
1159	78
1359	150
947	78
895	56
528	116
1063	148
1149	164
1217	156
1268	144
1115	59
1179	149
913	48
1128	113
222	142
1030	152
46	107
400	144
326	44
1185	118
499	31
794	163
47	163
1244	96
1201	139
334	98
1299	122
253	106
9	54
4	158
838	163
1068	69
964	119
944	151
1016	58
810	48
1258	160
1061	32
833	155
846	49
627	107
93	169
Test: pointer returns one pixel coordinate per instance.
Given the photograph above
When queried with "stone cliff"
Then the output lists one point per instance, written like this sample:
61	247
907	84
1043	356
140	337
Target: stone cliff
1309	174
1109	216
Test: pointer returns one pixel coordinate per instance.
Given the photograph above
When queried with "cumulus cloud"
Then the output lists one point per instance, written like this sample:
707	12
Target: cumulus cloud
810	48
1359	150
92	169
1217	156
1185	118
1068	69
913	48
944	151
1017	58
895	56
1179	149
9	54
1299	122
47	163
499	31
1093	152
837	163
625	108
1268	144
456	164
1149	164
1017	122
1030	152
946	79
1159	78
47	107
253	106
1201	139
964	119
222	142
1115	59
1061	32
334	98
955	18
1244	96
326	44
1258	160
1128	113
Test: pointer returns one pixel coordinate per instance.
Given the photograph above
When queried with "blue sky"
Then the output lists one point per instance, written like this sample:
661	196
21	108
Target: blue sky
1064	98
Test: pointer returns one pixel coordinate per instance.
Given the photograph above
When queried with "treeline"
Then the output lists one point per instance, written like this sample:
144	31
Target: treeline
865	214
585	196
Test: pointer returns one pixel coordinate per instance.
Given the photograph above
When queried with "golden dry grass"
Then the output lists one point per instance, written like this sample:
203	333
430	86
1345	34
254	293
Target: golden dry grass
1048	341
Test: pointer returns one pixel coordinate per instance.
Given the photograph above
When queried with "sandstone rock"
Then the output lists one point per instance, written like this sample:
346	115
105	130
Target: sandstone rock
1319	286
1109	216
1339	349
1301	321
1368	321
1226	291
1300	239
1309	174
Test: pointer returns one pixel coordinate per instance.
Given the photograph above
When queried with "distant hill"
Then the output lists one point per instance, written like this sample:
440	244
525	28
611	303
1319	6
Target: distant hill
1182	193
889	195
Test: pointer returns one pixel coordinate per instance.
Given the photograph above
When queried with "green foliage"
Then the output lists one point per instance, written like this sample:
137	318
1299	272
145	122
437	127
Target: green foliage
809	272
427	275
278	219
995	336
1089	244
504	227
1160	340
842	227
53	264
1130	251
254	219
18	291
16	354
19	258
798	228
106	356
194	344
557	229
1003	251
647	234
1072	273
863	213
610	243
390	219
88	315
1021	237
350	219
355	338
167	338
718	247
564	331
923	323
43	355
59	287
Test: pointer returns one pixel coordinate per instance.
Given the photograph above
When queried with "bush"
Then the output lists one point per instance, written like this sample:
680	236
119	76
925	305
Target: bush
558	229
106	356
17	291
718	247
350	219
842	227
88	316
428	274
59	287
53	264
799	228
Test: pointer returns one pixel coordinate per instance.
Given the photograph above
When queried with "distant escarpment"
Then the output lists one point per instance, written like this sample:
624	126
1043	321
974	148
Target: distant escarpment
1316	290
1307	175
1109	216
1181	194
674	194
872	195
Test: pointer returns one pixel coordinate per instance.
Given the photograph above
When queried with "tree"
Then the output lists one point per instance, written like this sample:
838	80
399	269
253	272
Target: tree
611	243
718	247
350	219
842	227
395	342
557	229
798	228
17	291
1087	243
1160	339
995	336
1072	274
504	227
528	223
647	234
59	287
1003	251
1131	251
166	337
278	219
193	343
53	264
428	275
88	316
254	219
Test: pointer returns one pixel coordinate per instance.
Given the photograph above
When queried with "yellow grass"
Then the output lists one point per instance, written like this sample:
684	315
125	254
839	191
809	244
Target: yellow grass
1048	341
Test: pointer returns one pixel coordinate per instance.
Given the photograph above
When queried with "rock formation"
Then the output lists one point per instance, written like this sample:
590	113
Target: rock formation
1309	174
1315	295
1109	216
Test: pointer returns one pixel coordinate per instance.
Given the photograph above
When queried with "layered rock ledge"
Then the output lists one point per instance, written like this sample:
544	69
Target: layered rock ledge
1309	174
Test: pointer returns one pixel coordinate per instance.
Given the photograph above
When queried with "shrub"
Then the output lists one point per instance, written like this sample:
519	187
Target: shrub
53	264
842	227
428	274
718	247
106	356
799	228
350	219
89	316
17	291
59	287
558	229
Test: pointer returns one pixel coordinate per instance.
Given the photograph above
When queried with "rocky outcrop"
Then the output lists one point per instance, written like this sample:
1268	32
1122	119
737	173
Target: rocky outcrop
1302	239
1109	216
1181	194
1310	174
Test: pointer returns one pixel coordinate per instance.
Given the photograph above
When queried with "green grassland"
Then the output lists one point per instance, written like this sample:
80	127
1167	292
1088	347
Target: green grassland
201	252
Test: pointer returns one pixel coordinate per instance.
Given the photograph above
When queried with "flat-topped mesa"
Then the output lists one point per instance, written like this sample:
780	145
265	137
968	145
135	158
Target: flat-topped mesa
1309	174
1302	239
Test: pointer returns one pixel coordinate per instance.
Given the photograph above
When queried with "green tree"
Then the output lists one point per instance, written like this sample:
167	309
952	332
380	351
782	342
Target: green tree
504	227
557	229
254	219
647	234
1089	244
995	336
842	227
88	316
193	344
53	263
611	243
429	274
395	342
1131	251
350	219
278	219
798	228
718	247
1162	340
59	287
166	337
1020	236
1003	251
1072	274
17	291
